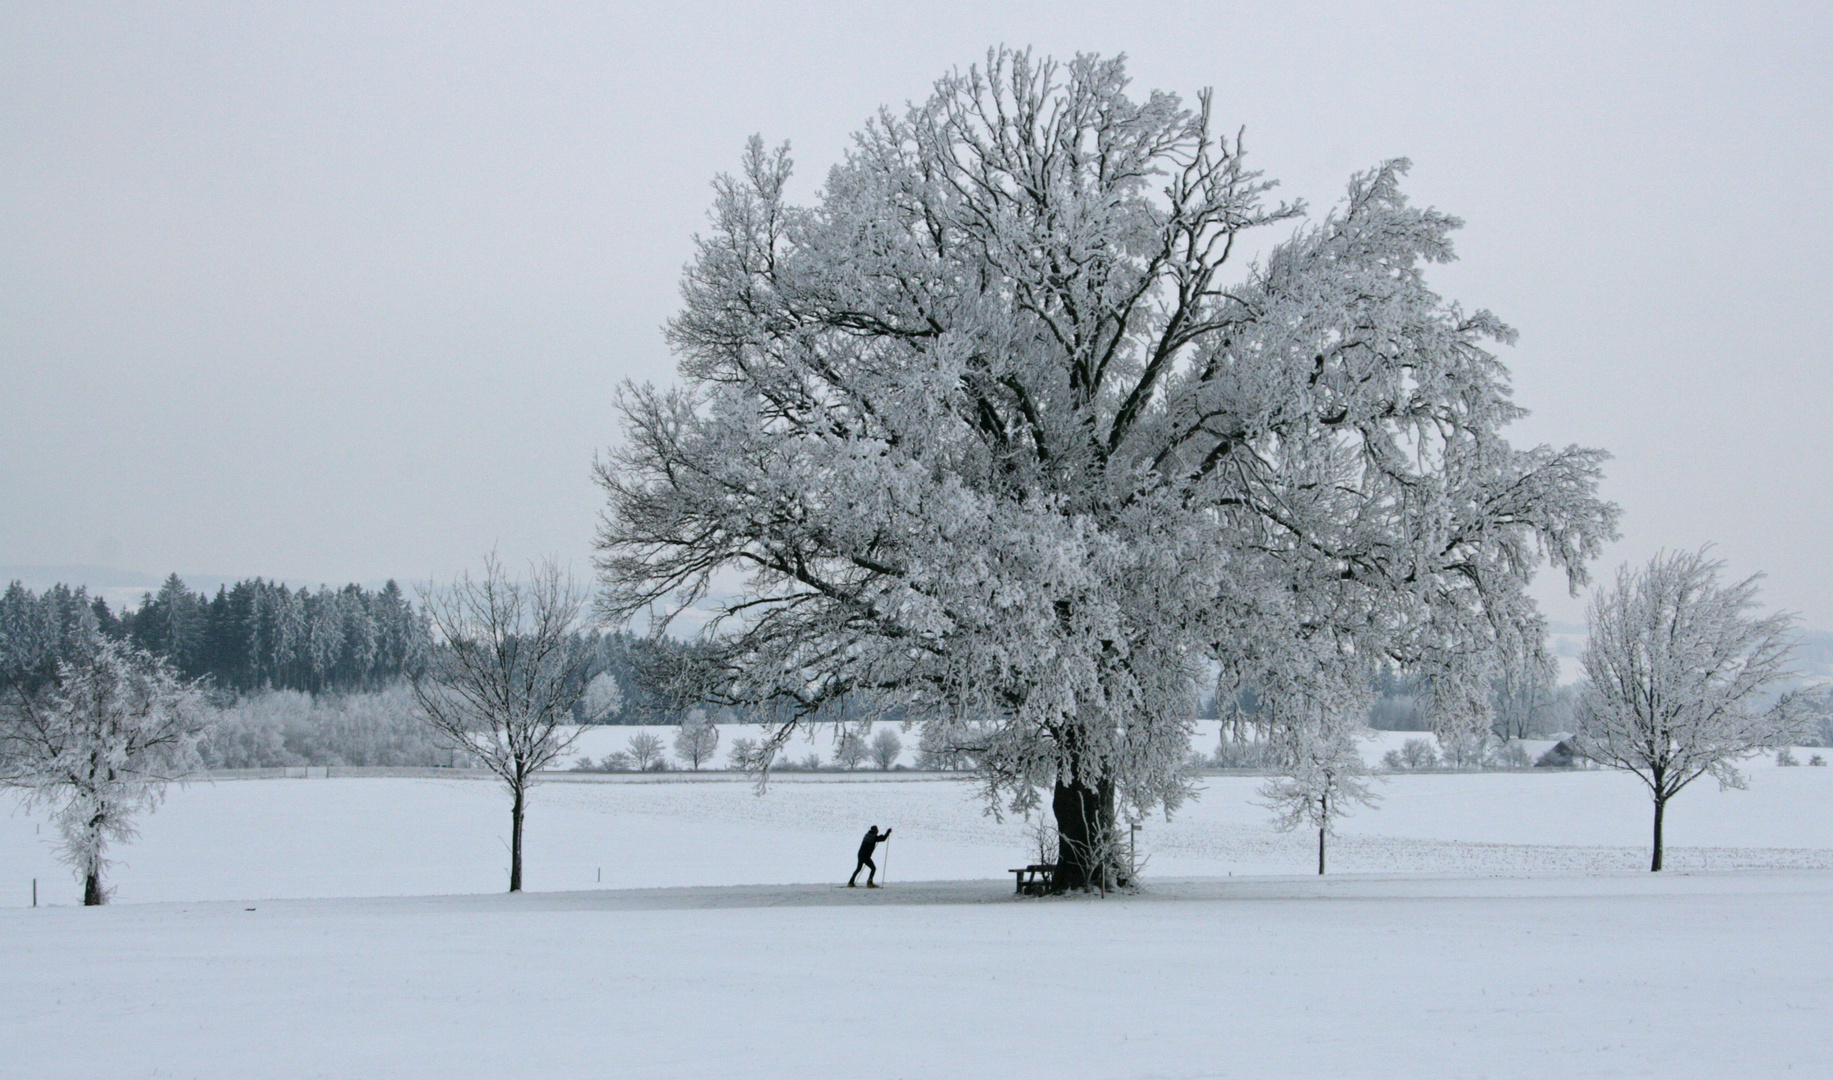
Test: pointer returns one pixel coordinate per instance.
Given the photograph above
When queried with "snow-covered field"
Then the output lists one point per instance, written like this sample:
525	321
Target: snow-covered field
1479	925
261	839
598	742
595	743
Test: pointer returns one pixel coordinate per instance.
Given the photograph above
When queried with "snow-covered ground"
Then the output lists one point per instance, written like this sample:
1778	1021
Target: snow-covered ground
260	839
1710	976
1478	925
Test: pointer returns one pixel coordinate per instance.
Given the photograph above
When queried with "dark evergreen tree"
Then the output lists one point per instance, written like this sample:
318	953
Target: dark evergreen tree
251	635
36	631
105	622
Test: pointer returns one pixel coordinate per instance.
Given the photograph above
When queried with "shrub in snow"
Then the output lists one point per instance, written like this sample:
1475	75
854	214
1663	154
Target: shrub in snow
271	728
1785	756
616	761
1044	841
1418	754
886	746
1817	760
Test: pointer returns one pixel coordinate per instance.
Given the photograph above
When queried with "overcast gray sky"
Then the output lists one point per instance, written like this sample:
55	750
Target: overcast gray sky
343	292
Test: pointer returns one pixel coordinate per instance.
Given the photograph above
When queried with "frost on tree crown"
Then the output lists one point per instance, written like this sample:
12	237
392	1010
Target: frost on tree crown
988	434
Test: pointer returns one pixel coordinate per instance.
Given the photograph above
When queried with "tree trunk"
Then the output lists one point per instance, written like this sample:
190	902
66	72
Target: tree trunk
515	839
1323	802
93	896
1085	834
1661	804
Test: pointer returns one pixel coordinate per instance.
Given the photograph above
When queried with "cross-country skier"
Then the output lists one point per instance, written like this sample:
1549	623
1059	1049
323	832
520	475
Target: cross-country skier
873	836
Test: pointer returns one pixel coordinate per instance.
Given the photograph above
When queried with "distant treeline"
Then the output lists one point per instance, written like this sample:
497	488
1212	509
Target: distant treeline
38	631
251	635
258	635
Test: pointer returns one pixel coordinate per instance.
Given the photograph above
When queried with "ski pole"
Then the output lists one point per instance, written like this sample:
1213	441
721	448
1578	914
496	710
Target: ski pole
887	860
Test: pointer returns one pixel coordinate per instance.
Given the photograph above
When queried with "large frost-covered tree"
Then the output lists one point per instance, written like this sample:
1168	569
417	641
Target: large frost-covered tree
983	433
1674	661
99	745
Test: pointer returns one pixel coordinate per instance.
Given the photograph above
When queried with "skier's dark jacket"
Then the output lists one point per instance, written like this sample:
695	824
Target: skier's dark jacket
873	836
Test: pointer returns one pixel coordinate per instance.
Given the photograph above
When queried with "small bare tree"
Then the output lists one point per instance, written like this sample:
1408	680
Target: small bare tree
850	751
645	750
886	746
504	674
99	744
745	755
1670	672
1322	774
697	739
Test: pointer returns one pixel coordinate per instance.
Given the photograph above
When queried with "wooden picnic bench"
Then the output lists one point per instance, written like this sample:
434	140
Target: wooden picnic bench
1034	880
